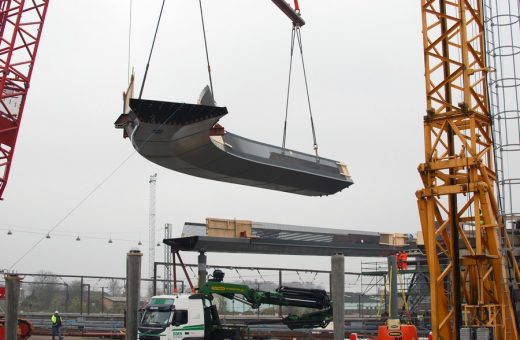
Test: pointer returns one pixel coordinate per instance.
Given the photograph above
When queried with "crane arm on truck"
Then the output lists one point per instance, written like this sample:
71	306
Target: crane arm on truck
283	296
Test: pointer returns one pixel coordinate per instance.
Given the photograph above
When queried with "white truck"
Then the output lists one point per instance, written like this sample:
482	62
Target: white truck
185	316
194	316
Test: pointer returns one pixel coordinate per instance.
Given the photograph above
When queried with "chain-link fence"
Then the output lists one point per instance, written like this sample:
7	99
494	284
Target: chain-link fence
98	303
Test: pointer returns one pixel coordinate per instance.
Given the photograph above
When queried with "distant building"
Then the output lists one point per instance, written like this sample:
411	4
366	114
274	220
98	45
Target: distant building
117	303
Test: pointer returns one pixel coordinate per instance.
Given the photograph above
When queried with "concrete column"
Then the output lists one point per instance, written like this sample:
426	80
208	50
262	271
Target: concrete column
203	273
338	295
13	294
392	276
133	285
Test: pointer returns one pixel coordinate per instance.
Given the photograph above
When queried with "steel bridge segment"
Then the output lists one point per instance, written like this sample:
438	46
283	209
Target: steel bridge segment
275	247
186	138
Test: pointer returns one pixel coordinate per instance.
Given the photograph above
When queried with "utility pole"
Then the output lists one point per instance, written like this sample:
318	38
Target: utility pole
151	221
81	297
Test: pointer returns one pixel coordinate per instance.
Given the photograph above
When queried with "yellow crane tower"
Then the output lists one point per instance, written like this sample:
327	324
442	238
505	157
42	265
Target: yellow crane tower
468	251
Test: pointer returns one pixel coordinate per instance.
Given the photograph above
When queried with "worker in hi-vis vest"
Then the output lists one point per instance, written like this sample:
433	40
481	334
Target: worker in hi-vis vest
56	325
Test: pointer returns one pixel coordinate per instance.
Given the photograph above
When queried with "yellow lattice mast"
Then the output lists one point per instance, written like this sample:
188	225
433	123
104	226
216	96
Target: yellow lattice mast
458	209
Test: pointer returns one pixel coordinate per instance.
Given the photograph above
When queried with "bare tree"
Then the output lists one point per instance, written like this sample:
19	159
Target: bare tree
115	287
44	293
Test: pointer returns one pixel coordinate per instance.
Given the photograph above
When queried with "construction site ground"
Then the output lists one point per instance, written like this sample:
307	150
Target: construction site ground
47	337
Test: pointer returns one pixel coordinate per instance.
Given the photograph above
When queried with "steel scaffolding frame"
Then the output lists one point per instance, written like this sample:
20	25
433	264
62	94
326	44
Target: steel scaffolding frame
413	288
167	259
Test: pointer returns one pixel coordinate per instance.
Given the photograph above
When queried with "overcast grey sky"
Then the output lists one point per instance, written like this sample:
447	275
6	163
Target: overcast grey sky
365	68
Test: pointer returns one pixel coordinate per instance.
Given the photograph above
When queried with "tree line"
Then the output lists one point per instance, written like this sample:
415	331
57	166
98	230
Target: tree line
48	292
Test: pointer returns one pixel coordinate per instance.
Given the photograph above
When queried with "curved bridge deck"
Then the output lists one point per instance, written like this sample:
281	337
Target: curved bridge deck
187	138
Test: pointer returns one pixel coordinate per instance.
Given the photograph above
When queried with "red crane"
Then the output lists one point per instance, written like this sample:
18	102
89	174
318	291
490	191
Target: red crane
21	23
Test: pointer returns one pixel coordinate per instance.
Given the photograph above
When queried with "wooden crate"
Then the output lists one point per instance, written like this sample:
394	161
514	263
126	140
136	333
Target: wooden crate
420	238
228	228
395	239
221	233
385	238
399	239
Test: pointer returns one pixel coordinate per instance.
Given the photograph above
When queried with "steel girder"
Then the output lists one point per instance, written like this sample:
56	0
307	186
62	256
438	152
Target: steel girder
277	246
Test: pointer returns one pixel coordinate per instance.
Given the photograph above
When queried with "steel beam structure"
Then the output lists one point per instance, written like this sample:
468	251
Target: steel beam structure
458	200
276	246
277	231
208	266
21	23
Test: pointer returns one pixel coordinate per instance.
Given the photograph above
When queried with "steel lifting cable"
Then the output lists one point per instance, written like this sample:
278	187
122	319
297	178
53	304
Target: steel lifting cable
293	33
296	35
206	49
151	49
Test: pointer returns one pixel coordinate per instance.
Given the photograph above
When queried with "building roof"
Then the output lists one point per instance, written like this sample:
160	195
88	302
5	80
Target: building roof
115	298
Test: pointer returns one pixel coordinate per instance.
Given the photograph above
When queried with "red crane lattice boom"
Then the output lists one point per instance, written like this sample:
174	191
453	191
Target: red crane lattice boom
20	31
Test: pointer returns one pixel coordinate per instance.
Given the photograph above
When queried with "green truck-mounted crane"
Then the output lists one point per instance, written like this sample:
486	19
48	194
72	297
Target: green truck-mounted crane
283	296
194	316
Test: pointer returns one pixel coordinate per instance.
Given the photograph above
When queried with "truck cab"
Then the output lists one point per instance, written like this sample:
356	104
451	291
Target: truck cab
183	316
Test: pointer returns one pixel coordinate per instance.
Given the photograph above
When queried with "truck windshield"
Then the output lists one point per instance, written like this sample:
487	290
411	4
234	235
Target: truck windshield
156	317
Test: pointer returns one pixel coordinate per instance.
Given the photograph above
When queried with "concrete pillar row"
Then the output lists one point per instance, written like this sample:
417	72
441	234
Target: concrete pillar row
12	285
133	291
338	295
202	269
